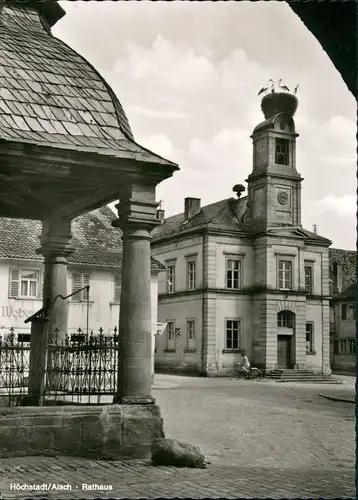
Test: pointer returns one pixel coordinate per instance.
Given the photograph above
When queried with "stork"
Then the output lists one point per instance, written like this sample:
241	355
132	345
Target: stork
283	87
265	88
296	88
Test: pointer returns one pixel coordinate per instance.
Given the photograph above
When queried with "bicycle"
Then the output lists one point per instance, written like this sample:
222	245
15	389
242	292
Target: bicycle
254	374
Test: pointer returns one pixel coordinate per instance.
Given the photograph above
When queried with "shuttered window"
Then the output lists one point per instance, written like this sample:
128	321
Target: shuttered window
117	281
80	280
24	283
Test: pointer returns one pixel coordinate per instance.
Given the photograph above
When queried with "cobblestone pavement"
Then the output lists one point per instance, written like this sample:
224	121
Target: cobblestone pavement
264	440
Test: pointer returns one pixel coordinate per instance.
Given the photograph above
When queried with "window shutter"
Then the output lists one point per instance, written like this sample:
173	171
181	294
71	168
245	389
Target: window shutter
85	282
117	288
14	283
40	278
76	285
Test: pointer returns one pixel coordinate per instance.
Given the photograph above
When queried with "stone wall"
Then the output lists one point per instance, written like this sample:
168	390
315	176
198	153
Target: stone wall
113	432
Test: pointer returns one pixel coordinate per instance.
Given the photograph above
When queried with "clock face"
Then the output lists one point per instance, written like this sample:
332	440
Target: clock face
282	197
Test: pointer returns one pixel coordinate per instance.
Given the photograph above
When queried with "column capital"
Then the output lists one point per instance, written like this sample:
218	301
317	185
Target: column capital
56	239
137	218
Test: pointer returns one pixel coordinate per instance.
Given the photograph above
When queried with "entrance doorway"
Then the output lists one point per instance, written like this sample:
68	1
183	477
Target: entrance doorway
284	351
285	338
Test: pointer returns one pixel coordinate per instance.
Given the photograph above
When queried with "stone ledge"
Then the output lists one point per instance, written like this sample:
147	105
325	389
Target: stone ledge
112	432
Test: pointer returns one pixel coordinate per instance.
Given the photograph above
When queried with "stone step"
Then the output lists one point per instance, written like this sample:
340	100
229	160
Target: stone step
304	376
309	381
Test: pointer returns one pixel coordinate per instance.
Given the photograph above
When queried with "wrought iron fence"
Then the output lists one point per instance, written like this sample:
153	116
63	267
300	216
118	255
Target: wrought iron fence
14	363
81	368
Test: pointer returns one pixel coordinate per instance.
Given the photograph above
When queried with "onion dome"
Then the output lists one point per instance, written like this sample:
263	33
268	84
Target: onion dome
275	103
49	94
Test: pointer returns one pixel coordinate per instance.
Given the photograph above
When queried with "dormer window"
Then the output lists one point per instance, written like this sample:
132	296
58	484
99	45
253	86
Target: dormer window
282	151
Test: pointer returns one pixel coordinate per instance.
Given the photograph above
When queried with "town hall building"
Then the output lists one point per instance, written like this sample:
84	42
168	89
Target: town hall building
242	272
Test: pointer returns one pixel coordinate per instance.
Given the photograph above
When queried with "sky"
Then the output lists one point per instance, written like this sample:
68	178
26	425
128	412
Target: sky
188	75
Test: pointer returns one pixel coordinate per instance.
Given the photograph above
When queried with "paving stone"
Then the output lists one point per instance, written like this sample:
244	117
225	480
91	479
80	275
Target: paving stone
245	425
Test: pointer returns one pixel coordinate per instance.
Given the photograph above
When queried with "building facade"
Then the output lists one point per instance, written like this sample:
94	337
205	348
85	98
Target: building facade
343	310
243	273
95	263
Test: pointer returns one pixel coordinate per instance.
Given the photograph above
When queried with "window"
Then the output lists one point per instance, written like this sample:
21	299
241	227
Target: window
309	279
233	334
342	346
286	319
348	311
282	155
351	346
233	274
345	346
24	283
79	281
117	284
309	337
171	278
284	275
190	328
171	336
191	274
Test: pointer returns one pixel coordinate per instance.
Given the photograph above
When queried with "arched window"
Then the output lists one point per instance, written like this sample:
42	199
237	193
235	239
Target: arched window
282	151
286	319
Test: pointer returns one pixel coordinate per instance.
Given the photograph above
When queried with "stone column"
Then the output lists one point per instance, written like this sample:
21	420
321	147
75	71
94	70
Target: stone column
137	218
55	247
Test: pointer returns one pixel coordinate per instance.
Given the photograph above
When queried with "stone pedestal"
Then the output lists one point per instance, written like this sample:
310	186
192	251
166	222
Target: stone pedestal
109	432
56	247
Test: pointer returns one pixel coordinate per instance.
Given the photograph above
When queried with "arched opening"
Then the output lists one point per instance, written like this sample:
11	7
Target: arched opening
286	319
285	338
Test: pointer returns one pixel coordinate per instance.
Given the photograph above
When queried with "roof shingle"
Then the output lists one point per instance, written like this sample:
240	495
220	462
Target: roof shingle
51	96
96	241
226	215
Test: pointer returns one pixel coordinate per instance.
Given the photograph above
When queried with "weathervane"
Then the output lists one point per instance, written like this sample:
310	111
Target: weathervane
271	85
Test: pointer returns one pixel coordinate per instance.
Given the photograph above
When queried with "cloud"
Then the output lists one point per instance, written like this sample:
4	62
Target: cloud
160	144
341	205
156	114
188	81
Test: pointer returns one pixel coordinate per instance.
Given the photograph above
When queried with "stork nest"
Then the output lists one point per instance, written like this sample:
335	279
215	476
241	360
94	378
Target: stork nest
279	102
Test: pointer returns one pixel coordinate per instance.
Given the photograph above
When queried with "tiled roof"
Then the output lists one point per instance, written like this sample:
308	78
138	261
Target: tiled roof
216	215
157	265
97	242
226	215
347	259
51	96
348	294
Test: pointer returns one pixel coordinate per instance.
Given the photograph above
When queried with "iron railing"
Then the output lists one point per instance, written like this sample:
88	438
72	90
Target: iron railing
80	368
14	364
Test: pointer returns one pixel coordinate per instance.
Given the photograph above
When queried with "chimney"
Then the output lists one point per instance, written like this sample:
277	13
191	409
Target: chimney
315	228
161	215
191	207
337	278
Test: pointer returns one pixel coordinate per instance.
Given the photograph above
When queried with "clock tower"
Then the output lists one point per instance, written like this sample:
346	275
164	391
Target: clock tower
274	186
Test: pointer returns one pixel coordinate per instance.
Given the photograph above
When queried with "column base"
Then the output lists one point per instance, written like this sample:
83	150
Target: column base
133	400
